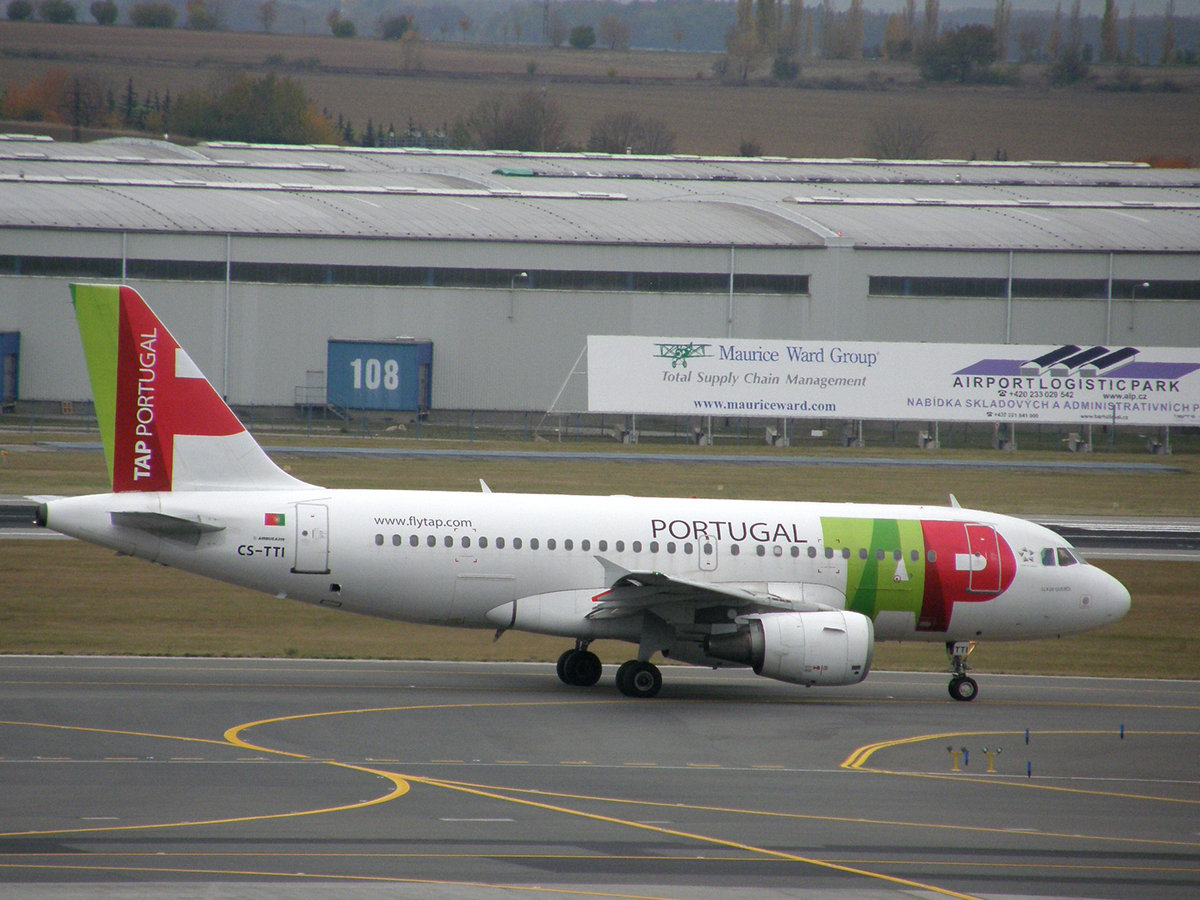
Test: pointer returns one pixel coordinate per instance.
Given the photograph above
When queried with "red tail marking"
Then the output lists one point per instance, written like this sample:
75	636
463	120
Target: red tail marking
152	405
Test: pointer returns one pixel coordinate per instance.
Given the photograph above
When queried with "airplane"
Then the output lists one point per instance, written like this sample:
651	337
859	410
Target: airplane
797	591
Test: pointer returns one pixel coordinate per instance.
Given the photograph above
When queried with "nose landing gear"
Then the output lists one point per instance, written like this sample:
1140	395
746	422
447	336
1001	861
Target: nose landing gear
962	687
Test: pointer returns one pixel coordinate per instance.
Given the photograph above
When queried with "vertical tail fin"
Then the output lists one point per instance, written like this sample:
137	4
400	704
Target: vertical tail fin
164	427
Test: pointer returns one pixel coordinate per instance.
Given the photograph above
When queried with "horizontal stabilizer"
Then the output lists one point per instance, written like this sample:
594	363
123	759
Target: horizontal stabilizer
176	528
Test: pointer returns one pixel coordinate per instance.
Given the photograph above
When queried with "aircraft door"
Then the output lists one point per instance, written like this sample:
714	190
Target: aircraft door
983	563
312	539
707	550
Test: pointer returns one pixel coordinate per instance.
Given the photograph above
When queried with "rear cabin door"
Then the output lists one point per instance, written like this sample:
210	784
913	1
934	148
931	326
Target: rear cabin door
312	539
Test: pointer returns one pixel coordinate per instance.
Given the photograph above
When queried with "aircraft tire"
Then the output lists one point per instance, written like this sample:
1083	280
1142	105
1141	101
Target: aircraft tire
641	680
623	676
583	669
963	688
561	667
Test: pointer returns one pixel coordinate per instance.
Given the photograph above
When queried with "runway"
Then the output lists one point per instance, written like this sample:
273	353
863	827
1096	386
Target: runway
140	778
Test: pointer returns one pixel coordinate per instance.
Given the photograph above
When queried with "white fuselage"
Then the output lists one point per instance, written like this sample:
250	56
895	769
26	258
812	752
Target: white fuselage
450	558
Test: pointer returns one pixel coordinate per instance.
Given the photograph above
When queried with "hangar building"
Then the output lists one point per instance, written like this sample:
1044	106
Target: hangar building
259	256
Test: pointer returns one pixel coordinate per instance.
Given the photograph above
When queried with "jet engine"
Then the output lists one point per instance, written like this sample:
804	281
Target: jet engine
829	647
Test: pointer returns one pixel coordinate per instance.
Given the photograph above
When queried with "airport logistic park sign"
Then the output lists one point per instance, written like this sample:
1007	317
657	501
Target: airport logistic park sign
1061	384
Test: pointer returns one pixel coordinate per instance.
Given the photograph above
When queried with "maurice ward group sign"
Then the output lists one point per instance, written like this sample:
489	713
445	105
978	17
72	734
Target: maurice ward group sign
1061	384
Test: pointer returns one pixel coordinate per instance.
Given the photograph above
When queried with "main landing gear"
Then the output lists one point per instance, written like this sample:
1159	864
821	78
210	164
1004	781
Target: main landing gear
581	668
962	687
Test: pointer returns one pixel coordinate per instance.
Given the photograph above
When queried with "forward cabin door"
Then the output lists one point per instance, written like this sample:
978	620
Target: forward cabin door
312	539
984	560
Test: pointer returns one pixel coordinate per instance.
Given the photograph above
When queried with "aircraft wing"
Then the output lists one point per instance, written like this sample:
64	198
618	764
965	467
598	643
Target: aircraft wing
635	592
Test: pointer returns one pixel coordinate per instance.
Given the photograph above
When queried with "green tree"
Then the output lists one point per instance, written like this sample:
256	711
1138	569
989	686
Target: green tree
200	16
153	14
19	10
339	27
59	12
960	54
260	110
105	12
582	37
393	28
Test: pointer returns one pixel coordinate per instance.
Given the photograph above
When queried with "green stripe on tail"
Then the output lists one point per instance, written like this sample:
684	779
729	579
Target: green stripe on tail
97	309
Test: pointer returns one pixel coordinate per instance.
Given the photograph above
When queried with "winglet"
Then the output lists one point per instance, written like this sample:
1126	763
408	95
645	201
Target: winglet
163	426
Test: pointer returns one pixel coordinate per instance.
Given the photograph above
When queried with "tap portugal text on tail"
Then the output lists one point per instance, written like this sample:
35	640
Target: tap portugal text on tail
797	591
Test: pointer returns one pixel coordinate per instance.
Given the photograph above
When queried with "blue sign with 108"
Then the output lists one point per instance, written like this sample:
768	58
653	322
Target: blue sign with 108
393	375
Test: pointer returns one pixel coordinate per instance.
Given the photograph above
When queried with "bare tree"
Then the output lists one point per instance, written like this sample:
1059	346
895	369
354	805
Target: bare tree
614	32
628	132
1108	32
532	122
854	29
1131	36
556	29
1001	17
268	12
929	26
1168	35
900	137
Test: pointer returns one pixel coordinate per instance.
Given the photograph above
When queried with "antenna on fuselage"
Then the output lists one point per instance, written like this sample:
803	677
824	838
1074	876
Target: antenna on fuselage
954	504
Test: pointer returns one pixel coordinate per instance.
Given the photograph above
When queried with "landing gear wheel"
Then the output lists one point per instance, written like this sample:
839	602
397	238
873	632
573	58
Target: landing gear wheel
963	688
562	665
639	679
579	668
583	669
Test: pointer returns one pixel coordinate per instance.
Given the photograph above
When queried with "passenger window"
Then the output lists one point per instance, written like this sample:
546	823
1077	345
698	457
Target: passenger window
845	553
1065	557
395	540
777	550
735	549
516	543
761	550
670	546
637	546
915	556
499	543
931	556
897	555
796	551
379	540
431	541
449	541
533	543
862	552
654	546
879	554
708	549
483	543
687	549
602	546
413	540
829	553
1048	556
812	552
620	546
466	542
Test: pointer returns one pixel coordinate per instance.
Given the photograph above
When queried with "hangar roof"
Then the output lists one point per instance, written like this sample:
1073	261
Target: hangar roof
231	188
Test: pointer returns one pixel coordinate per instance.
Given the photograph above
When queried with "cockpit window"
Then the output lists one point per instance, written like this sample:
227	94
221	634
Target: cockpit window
1048	556
1066	557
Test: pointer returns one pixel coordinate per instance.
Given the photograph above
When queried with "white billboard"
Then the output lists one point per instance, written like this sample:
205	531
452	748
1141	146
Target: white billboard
1062	384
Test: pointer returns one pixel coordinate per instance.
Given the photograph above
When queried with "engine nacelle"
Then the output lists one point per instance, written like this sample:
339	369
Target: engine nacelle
828	647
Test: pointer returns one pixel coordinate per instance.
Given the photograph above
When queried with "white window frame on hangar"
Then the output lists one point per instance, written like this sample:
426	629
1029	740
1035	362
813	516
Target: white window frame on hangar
260	255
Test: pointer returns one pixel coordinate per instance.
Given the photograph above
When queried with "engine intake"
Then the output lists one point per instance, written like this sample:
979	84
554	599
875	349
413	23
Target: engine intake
830	647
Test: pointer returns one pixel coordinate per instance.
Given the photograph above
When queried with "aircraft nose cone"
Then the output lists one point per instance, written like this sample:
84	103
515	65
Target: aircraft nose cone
1117	600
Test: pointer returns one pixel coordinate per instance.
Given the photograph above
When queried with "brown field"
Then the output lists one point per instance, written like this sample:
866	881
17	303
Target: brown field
364	78
67	597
